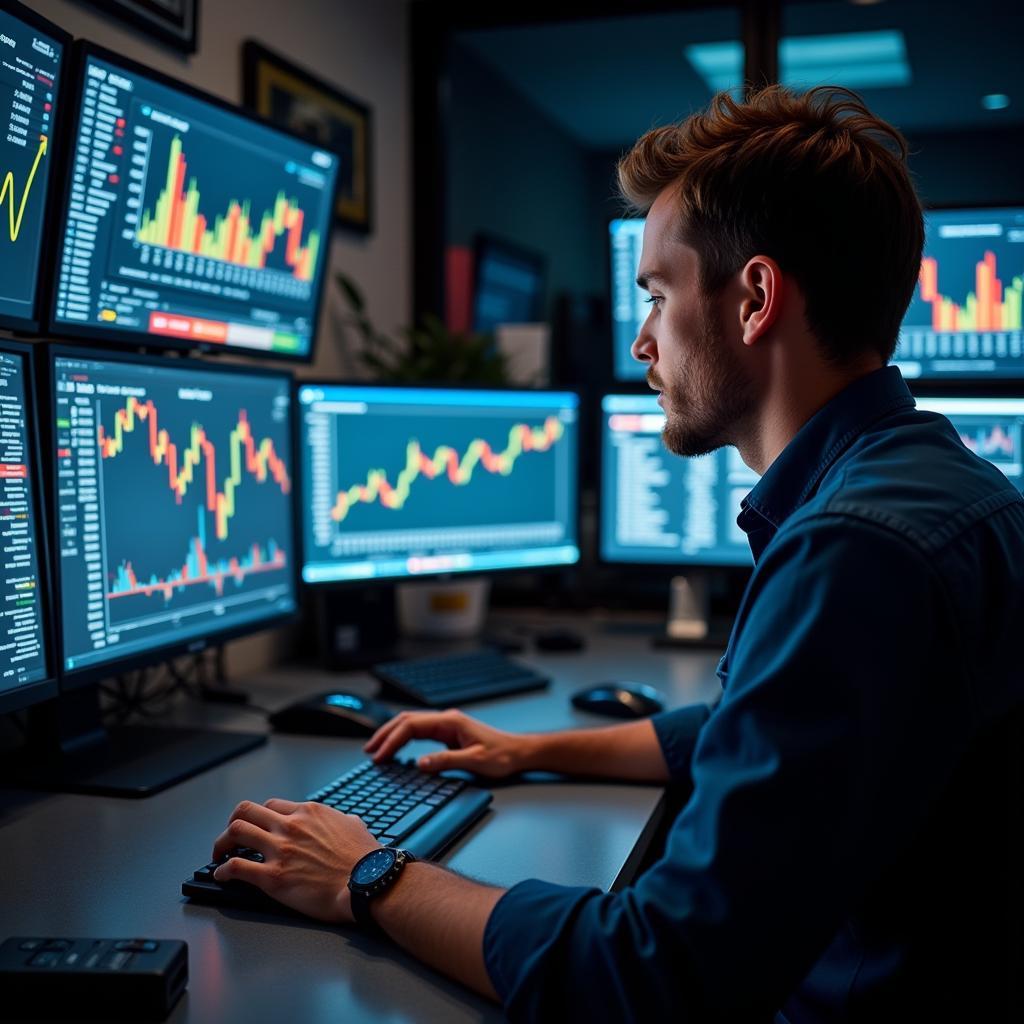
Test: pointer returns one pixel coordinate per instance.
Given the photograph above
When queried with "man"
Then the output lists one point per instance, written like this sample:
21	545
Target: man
849	850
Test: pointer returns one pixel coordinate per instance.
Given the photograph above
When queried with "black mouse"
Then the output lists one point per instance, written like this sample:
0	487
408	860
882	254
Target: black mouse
620	700
332	714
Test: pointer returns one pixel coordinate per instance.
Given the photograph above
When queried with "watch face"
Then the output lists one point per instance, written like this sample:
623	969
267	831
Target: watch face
374	866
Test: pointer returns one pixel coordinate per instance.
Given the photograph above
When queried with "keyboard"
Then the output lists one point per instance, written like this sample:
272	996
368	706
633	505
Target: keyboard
400	805
455	679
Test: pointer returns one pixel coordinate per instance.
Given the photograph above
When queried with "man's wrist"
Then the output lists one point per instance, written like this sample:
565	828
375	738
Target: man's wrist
532	752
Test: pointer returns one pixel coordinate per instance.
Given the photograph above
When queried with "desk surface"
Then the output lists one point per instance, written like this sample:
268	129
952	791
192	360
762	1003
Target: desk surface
83	865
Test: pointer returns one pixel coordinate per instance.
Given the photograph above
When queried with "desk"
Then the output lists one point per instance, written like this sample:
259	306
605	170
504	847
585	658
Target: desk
83	865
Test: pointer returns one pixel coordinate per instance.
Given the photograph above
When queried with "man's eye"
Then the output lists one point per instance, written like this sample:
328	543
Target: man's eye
654	299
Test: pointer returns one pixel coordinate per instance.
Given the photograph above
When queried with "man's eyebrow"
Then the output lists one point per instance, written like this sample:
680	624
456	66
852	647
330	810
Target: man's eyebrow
645	280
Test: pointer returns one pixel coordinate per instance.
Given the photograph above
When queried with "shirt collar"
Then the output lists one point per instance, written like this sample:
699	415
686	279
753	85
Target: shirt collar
794	476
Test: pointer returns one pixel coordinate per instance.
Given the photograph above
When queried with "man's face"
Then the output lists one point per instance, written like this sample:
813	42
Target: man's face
691	358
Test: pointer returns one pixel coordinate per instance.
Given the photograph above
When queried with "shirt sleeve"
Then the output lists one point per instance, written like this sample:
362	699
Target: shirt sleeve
677	732
843	718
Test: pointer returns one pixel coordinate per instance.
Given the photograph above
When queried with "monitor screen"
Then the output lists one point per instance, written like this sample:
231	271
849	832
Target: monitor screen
508	285
188	223
964	320
629	300
400	482
174	505
23	648
31	65
991	427
657	507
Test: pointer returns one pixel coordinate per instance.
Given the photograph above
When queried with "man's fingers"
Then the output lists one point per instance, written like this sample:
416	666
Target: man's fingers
386	729
241	833
426	726
442	760
281	806
238	869
262	815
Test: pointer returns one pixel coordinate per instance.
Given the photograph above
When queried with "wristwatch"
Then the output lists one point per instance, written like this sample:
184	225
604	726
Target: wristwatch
373	874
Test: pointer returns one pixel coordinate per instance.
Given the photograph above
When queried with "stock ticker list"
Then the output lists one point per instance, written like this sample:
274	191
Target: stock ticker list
21	633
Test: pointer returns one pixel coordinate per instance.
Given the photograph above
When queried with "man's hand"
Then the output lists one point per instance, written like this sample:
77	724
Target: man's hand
473	746
308	850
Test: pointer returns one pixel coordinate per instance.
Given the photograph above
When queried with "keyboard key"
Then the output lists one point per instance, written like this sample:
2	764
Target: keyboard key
407	823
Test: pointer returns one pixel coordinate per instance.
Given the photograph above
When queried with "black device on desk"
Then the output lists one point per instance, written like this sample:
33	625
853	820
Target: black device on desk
92	979
332	714
620	700
400	806
452	680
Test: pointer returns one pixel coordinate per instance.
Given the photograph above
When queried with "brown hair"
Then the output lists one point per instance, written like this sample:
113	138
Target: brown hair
816	182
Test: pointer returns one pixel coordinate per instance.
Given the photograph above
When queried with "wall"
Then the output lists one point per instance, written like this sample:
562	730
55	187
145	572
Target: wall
363	49
513	172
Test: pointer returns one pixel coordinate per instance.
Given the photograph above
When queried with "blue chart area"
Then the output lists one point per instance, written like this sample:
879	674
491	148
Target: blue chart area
520	486
28	90
195	522
409	484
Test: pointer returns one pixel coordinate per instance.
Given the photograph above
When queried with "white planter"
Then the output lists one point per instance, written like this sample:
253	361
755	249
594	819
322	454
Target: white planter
443	610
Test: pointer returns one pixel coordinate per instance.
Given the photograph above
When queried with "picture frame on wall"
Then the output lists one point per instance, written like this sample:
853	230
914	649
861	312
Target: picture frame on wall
289	96
174	22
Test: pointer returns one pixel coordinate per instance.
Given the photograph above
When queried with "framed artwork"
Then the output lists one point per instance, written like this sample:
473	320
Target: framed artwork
291	97
171	21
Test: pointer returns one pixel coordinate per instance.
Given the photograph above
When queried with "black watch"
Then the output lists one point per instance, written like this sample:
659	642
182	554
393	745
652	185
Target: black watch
373	874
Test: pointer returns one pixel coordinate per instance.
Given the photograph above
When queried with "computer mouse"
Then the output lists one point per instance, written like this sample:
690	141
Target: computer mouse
620	700
332	714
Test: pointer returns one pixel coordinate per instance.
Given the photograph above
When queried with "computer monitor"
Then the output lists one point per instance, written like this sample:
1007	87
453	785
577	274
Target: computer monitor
670	516
508	284
964	321
26	669
32	58
413	482
187	222
991	427
174	506
629	300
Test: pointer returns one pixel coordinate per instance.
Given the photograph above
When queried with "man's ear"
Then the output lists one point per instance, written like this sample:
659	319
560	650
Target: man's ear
763	291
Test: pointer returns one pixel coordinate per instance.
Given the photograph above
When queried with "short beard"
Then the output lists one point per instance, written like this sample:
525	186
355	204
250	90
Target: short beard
703	412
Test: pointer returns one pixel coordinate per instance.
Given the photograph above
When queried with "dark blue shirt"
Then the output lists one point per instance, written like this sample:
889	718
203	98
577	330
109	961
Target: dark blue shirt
848	851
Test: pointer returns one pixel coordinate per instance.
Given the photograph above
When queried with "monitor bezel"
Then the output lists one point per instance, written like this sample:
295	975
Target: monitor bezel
31	325
379	581
75	678
483	243
45	688
126	339
660	569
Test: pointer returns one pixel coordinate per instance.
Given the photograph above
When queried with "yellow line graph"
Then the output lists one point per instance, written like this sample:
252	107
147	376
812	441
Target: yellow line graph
7	192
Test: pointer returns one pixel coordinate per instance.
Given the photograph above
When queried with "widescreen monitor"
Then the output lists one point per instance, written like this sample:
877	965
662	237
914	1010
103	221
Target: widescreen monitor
629	300
991	427
173	506
26	674
964	321
657	508
186	222
32	58
508	284
402	483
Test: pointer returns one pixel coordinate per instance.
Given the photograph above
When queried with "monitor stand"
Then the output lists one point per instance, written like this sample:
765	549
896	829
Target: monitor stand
70	751
690	622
